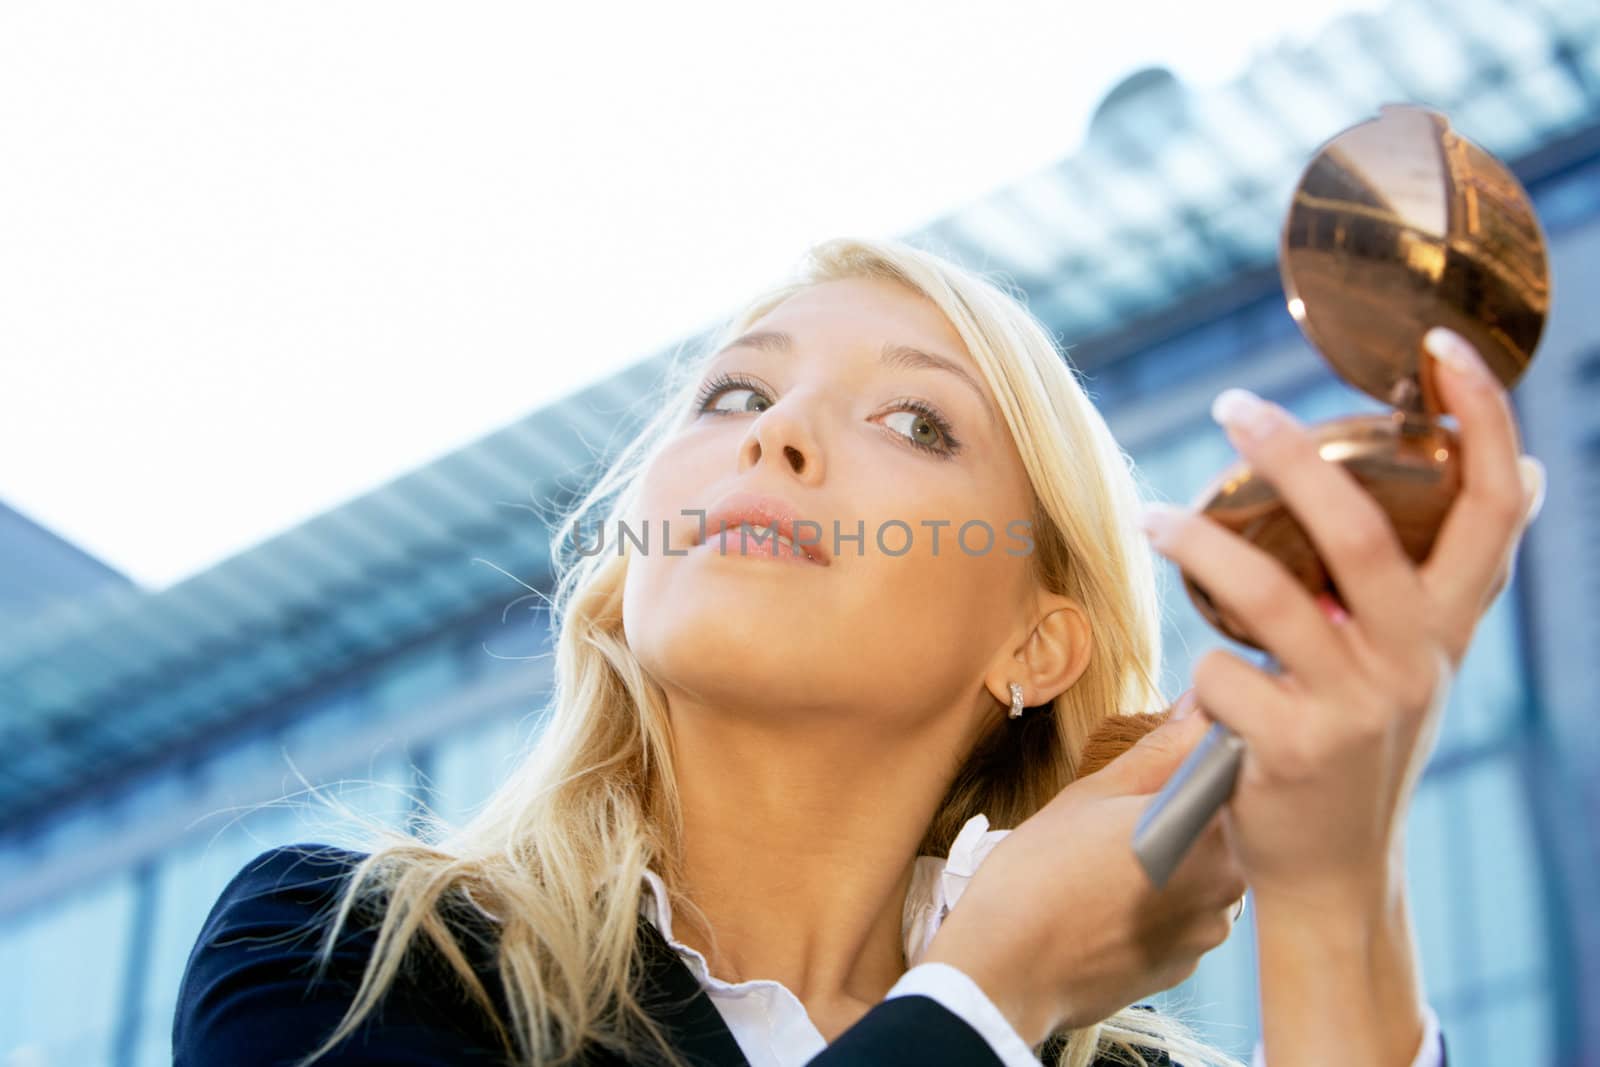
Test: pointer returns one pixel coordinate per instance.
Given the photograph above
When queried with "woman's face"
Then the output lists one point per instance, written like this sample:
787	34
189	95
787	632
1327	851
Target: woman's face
844	438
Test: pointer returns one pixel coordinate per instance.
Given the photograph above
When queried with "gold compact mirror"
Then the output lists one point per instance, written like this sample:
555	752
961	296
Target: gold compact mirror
1398	225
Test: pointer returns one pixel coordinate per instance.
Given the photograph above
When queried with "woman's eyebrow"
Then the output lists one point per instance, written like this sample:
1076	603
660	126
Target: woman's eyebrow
893	355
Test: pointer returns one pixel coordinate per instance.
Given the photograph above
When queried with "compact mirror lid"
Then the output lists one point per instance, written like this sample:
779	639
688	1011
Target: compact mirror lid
1398	225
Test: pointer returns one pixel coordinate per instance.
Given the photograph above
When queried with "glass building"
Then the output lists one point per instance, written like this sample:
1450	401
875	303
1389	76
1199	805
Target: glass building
388	651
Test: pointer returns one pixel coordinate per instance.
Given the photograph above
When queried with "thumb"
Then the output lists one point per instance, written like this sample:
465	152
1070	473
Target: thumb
1146	766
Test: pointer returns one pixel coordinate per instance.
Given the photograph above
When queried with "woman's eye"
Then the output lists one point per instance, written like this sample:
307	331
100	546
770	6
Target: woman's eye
752	400
915	426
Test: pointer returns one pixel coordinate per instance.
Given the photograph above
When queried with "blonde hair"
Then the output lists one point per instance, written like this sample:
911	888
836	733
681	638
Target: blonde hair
555	858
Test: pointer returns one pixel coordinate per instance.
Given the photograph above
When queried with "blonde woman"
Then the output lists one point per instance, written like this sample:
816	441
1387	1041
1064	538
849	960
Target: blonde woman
782	810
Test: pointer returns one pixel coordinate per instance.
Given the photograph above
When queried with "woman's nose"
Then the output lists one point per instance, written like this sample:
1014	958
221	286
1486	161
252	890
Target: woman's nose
781	434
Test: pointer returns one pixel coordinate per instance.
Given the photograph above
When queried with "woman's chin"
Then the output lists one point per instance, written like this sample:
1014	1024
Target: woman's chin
724	613
736	632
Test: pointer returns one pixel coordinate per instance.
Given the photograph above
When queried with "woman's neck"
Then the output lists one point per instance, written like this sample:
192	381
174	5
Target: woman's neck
800	844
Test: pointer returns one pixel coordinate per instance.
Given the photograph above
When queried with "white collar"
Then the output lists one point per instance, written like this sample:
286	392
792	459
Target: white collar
936	884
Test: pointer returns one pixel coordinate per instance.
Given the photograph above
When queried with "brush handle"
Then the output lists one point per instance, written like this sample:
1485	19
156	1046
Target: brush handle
1179	813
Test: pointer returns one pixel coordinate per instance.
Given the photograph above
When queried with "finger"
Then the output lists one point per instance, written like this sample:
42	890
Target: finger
1249	702
1208	878
1472	545
1533	483
1353	536
1146	766
1254	587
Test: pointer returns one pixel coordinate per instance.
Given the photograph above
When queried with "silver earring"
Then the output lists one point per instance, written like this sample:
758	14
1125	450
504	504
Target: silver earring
1016	700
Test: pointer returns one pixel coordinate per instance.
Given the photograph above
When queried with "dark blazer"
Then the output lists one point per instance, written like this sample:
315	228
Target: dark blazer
245	1001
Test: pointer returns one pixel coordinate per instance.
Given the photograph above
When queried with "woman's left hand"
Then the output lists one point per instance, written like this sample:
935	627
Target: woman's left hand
1337	741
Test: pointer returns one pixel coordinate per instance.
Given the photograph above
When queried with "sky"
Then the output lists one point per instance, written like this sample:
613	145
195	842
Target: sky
257	259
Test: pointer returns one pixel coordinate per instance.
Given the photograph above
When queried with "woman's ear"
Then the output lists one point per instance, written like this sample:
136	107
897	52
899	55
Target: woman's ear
1049	655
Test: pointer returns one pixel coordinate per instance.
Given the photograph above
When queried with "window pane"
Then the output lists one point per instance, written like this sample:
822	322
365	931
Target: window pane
53	1008
1434	873
470	764
1519	1029
1503	872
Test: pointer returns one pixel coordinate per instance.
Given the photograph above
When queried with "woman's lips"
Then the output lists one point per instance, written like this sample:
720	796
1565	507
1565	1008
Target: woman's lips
754	543
765	515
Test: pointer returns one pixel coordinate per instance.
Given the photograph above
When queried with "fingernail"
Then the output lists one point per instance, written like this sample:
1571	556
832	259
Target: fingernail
1454	351
1533	483
1332	608
1186	703
1244	412
1158	518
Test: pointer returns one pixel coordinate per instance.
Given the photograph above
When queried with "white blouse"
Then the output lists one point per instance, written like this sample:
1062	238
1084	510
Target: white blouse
771	1025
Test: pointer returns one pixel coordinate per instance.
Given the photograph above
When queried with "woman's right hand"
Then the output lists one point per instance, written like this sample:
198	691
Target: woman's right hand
1061	927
